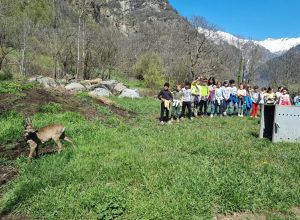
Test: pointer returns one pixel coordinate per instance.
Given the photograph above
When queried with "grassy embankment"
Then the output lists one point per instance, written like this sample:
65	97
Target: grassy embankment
138	169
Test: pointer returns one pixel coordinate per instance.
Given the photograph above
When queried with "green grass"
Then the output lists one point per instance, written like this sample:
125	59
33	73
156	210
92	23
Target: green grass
11	127
139	169
14	87
51	107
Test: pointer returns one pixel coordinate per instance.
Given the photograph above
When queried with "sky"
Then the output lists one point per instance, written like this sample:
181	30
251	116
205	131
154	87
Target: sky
254	19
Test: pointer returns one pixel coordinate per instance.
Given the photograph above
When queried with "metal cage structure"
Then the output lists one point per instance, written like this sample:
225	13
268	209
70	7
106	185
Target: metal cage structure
280	123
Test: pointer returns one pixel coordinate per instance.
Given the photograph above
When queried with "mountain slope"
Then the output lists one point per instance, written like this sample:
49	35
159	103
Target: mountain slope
282	70
94	38
277	46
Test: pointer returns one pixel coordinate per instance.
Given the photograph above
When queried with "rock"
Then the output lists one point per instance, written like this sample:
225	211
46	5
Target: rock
130	93
100	92
93	87
110	84
119	88
103	99
91	82
34	78
47	82
75	87
62	82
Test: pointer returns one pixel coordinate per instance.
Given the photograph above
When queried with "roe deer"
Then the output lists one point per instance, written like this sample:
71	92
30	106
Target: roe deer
34	138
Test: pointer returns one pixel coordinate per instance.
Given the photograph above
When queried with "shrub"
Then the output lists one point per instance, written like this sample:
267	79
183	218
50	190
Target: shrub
15	86
5	75
51	107
150	67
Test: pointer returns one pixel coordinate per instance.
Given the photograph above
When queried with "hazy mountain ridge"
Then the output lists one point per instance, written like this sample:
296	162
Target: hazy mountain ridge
267	62
281	70
277	46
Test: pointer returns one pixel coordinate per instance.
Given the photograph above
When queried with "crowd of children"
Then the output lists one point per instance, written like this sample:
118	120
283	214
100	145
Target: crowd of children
205	97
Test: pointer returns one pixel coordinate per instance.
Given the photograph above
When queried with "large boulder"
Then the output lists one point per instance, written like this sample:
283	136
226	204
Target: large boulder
100	92
119	88
110	84
34	78
46	82
130	93
74	87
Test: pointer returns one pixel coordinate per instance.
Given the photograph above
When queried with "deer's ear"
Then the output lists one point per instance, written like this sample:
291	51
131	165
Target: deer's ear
27	121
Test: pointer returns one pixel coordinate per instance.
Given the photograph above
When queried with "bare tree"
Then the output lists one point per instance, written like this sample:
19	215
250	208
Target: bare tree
196	43
83	7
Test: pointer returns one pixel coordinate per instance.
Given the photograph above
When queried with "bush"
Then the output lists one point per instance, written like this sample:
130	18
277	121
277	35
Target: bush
51	107
150	67
5	75
15	86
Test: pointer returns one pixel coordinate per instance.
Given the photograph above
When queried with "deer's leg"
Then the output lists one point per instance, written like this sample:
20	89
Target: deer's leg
37	151
59	145
33	147
69	140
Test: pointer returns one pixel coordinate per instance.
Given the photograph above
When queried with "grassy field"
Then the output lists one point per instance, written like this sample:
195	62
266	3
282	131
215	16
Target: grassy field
138	169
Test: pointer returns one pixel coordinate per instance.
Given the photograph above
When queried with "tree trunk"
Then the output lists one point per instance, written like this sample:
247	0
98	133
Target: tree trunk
78	47
1	62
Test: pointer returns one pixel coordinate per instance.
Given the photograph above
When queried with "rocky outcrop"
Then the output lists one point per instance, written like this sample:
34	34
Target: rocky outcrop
130	93
119	88
46	82
97	87
110	85
74	86
100	92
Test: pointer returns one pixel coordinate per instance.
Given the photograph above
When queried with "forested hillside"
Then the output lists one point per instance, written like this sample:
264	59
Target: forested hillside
284	69
91	38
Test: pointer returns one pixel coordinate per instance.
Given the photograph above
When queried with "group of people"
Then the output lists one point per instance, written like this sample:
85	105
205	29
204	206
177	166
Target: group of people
205	97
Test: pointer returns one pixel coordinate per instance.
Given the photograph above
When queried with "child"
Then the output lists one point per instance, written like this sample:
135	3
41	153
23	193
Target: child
248	100
233	97
166	98
196	93
278	94
204	97
255	96
226	95
270	96
262	98
285	97
219	99
297	99
212	95
177	103
186	100
241	93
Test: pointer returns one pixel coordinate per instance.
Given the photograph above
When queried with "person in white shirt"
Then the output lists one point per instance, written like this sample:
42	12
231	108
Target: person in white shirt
187	100
278	94
241	94
226	95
